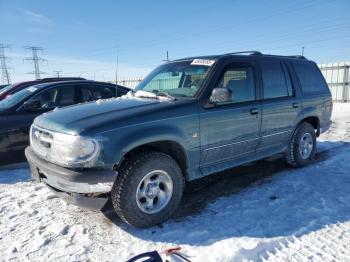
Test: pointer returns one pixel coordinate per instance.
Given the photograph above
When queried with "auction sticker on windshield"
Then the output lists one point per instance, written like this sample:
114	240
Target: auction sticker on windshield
205	62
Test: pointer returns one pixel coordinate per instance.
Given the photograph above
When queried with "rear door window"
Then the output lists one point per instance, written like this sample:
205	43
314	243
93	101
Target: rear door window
95	92
66	96
276	80
310	78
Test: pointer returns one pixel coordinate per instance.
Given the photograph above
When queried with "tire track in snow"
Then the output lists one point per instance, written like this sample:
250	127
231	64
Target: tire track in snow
331	243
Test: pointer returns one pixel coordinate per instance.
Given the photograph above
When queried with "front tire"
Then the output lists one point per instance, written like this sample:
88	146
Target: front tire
302	147
148	189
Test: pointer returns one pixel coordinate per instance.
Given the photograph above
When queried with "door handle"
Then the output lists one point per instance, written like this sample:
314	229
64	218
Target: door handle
254	111
295	105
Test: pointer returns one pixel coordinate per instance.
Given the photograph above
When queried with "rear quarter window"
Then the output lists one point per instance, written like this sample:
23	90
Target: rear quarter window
310	78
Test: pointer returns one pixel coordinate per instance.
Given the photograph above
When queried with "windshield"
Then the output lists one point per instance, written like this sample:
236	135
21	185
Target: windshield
15	98
5	89
178	79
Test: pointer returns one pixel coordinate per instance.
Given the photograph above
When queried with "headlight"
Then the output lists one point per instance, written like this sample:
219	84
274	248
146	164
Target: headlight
70	150
63	149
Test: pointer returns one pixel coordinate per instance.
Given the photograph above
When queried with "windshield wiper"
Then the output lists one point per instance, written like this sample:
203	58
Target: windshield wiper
160	93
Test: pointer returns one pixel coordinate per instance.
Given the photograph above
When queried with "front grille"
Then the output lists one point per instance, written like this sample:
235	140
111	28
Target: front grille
41	141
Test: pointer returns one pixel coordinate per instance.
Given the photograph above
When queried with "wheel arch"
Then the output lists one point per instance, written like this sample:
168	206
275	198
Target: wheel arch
314	121
169	147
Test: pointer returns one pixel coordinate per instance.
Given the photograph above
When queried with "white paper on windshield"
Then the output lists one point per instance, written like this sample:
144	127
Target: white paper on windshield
32	89
205	62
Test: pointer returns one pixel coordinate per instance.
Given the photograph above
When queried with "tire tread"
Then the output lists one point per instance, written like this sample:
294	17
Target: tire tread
121	185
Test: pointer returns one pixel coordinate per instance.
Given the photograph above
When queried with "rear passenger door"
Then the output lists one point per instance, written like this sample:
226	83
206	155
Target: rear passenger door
280	108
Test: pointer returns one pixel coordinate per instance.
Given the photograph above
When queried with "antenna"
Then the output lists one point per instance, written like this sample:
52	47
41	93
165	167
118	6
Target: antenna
167	57
3	66
35	59
116	70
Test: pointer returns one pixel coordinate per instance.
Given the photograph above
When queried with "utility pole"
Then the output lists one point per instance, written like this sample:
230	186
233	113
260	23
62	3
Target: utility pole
58	73
302	51
3	66
167	57
35	59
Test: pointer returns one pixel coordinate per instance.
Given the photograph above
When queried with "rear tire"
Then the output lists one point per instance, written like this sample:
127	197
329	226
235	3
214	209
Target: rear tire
148	189
302	147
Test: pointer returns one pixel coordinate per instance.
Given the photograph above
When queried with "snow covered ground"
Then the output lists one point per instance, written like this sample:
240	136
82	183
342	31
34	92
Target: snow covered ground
265	211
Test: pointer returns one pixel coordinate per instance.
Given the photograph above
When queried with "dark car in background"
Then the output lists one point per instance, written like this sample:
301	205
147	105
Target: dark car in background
13	88
18	111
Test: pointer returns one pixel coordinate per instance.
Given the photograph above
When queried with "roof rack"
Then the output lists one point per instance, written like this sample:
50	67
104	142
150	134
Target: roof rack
245	52
297	56
259	53
63	78
290	56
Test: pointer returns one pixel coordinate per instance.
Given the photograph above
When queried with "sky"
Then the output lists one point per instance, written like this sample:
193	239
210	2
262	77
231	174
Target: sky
84	38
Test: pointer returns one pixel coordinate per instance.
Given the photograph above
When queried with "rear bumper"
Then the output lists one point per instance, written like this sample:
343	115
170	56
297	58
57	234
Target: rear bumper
87	188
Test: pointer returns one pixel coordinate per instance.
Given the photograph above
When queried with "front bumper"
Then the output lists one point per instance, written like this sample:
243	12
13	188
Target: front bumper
87	188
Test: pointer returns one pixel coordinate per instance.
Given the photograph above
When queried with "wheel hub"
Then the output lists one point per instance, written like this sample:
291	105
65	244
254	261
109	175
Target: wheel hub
306	145
154	191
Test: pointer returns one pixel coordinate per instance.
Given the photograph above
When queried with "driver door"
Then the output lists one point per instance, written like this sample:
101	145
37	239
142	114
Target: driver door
230	131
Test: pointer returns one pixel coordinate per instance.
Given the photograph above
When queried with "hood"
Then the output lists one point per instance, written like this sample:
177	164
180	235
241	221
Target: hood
75	119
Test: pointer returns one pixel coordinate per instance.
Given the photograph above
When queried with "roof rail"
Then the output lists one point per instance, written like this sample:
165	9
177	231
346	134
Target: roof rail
290	56
63	78
245	52
298	56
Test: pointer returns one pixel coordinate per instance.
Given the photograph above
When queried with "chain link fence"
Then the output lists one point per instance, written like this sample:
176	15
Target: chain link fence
131	82
338	78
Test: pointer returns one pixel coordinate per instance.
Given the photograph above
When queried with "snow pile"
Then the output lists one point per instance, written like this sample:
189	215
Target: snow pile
141	93
144	94
264	211
134	95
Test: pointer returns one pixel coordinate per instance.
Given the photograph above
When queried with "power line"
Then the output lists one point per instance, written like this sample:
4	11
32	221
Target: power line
277	12
4	69
35	59
57	73
264	41
270	48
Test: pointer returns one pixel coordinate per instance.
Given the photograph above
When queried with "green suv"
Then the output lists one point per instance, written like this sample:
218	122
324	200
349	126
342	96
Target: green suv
187	119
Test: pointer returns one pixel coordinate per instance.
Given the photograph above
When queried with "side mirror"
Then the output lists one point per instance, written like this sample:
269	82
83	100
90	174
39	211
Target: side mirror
220	95
33	105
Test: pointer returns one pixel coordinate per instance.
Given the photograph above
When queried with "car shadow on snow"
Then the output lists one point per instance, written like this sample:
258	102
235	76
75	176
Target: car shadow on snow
251	201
